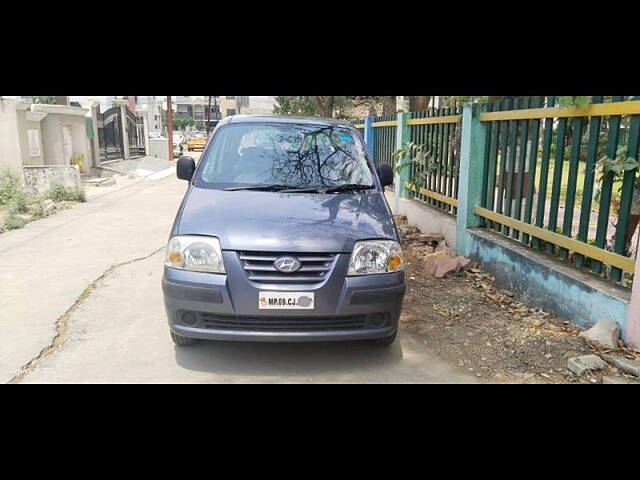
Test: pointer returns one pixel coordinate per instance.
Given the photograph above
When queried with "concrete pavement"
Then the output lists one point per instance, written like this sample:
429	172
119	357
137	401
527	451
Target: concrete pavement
87	280
119	335
48	264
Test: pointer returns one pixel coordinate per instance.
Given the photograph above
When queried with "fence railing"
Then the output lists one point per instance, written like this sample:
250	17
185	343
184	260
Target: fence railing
434	178
560	180
384	138
544	185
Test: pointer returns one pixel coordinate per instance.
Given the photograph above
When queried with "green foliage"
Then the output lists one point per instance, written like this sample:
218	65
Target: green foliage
47	100
60	193
37	210
419	158
417	155
296	105
619	165
11	221
18	204
580	102
10	186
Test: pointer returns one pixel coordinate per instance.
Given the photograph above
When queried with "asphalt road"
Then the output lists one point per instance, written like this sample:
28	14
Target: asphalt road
106	256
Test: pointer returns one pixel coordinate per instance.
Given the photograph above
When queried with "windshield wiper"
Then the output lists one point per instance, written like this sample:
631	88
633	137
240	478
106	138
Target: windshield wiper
323	189
274	187
348	187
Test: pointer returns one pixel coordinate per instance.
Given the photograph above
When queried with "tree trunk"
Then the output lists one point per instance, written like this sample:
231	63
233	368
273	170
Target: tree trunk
325	106
372	111
388	105
418	104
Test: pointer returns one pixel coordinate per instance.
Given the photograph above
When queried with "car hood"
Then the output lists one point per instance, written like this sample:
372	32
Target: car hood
286	222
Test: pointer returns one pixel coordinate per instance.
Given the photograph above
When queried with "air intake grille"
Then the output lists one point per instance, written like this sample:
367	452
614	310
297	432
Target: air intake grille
290	324
259	267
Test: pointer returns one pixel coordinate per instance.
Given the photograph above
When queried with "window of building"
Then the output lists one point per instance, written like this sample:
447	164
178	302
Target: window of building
231	111
230	98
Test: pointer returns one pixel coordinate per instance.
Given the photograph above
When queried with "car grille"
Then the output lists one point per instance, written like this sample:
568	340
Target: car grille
290	324
259	267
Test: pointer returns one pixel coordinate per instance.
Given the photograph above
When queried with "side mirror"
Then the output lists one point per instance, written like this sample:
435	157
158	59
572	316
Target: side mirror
385	173
185	168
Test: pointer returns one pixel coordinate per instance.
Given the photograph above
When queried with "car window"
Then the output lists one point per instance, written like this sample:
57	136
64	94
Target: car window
300	155
197	135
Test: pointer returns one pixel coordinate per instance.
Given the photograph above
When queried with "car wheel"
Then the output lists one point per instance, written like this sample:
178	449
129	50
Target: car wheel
386	341
182	341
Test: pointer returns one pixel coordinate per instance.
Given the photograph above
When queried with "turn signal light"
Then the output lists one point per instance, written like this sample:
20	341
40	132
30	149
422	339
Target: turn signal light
394	261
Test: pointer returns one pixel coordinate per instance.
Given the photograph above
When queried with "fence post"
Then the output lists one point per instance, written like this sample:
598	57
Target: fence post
95	142
123	125
403	136
632	336
472	165
145	132
369	137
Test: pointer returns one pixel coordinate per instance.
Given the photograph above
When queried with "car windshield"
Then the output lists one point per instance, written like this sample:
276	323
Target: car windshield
197	135
285	154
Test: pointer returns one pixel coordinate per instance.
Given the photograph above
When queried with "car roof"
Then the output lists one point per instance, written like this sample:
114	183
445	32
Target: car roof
283	119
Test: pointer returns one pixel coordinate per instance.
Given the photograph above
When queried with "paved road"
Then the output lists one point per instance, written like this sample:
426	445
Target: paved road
117	331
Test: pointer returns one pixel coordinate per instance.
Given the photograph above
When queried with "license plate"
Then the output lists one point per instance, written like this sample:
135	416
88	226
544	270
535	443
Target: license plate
286	300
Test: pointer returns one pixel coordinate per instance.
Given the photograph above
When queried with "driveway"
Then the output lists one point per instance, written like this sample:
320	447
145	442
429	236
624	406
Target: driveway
82	303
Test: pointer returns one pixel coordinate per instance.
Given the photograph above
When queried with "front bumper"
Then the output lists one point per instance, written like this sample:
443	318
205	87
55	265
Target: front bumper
225	307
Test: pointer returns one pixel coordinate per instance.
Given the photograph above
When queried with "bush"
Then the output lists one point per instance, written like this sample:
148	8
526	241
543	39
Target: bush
60	193
11	221
18	203
37	210
10	187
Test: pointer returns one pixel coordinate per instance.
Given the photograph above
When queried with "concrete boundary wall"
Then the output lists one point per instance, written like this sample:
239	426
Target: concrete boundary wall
543	281
40	179
428	219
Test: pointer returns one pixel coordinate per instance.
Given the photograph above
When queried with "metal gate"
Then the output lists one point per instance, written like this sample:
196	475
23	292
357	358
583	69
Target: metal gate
135	132
111	138
110	135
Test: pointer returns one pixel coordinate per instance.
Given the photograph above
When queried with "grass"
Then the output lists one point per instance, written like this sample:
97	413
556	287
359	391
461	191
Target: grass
565	182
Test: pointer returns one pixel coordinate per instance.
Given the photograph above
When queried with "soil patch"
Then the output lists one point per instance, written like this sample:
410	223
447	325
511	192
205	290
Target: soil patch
468	320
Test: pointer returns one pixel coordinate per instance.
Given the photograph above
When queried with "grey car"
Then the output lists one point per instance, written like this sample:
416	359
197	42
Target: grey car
284	235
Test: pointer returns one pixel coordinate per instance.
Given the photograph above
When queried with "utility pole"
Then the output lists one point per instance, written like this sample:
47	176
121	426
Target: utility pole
209	117
170	128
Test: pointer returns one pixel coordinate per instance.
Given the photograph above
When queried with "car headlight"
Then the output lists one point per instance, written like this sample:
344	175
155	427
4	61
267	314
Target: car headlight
199	254
376	256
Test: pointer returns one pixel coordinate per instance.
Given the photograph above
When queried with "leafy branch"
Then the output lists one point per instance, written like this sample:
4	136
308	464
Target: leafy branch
618	166
579	102
420	159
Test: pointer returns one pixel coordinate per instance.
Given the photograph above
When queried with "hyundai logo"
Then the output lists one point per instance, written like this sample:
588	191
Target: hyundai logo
287	264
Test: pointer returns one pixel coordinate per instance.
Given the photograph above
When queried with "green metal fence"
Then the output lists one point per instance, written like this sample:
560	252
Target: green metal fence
542	170
384	132
435	176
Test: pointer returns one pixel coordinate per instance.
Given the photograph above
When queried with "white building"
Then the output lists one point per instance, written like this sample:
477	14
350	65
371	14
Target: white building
256	105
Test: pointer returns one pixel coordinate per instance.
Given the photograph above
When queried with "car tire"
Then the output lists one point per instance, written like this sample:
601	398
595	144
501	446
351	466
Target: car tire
386	341
182	341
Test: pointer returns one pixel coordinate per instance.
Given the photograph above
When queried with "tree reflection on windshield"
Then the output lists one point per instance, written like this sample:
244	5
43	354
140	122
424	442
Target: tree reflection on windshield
290	154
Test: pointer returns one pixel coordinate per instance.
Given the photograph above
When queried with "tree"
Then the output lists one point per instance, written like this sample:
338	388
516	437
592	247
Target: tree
325	106
46	100
295	105
388	105
418	104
